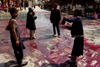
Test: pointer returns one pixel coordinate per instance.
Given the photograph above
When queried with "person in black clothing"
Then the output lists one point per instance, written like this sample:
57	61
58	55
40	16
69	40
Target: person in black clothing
31	22
55	18
78	33
15	37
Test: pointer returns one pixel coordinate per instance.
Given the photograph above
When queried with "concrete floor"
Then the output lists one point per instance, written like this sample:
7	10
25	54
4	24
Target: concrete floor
46	50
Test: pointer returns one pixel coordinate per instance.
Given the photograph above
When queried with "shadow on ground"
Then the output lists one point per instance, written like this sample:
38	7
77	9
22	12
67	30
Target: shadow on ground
59	65
45	37
11	63
25	38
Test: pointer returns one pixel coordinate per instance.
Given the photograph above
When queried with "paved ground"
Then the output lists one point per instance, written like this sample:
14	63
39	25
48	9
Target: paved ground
46	50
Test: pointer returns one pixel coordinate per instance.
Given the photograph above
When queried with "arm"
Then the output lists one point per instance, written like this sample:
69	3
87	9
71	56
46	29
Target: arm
68	27
70	19
13	26
59	15
51	17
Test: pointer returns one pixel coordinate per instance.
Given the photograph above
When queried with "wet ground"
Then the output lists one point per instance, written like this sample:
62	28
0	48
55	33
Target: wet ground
46	50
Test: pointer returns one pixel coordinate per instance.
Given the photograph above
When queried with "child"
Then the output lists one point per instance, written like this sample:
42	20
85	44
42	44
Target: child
31	23
15	37
77	32
55	18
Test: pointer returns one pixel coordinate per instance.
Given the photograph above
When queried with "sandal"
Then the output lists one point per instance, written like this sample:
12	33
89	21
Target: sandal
22	64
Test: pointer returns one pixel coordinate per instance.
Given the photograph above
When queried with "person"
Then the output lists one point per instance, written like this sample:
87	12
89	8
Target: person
68	8
15	37
25	5
96	12
55	17
86	8
78	34
10	6
20	4
1	6
13	6
31	23
58	6
34	6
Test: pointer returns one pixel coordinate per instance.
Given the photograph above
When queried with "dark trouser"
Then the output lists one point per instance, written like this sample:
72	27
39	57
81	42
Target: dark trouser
78	46
18	51
57	26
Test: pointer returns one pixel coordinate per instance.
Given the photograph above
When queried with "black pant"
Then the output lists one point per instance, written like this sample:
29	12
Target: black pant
78	46
18	51
57	26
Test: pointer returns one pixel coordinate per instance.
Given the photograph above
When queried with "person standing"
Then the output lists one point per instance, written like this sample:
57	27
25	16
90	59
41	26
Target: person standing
20	4
25	4
78	33
86	8
31	23
1	6
15	37
58	6
55	17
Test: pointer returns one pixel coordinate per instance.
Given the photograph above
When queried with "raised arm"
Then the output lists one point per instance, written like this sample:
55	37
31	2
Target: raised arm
69	19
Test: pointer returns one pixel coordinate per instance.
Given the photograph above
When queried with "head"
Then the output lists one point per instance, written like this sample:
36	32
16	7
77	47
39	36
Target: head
30	9
14	12
77	13
55	6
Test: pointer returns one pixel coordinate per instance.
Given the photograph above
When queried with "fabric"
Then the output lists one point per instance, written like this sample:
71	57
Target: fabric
57	27
18	50
55	16
58	7
77	26
30	21
78	46
32	33
1	6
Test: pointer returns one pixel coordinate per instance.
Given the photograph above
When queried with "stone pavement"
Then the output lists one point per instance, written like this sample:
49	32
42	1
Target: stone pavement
49	51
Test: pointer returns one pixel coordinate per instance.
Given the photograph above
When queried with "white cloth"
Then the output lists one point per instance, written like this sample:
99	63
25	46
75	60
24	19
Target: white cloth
58	7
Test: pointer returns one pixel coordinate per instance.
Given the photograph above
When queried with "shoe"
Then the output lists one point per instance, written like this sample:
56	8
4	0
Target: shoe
70	56
34	38
22	64
30	38
70	61
59	36
54	35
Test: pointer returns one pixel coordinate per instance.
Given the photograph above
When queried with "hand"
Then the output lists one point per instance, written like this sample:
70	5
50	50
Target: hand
65	24
64	17
51	22
17	43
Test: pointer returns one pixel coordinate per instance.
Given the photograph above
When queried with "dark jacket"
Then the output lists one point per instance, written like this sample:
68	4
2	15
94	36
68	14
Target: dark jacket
77	26
55	16
30	21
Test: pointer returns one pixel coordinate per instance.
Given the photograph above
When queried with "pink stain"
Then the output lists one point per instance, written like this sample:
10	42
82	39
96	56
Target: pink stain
59	47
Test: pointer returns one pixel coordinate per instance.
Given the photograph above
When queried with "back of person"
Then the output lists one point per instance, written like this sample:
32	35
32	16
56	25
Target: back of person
55	15
77	26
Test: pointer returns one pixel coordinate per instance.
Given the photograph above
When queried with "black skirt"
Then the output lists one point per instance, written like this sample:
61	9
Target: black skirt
78	46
